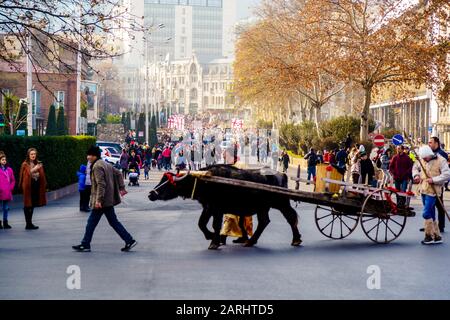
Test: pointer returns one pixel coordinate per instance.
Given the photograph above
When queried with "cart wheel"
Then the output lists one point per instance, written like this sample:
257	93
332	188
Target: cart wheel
334	224
379	219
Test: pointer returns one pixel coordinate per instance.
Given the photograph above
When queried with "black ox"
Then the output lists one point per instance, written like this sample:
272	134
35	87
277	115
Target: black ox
218	199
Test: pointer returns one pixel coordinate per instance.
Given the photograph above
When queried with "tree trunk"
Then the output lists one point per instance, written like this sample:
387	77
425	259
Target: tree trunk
317	119
364	133
289	112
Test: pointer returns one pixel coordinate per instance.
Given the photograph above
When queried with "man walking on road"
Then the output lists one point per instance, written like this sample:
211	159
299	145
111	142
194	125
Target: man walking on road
401	168
435	145
435	173
311	157
107	188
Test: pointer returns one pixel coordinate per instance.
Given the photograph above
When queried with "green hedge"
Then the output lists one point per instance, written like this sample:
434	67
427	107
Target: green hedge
61	156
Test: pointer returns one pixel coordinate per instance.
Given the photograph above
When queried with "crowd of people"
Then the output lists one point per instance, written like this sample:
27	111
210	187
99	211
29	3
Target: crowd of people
194	149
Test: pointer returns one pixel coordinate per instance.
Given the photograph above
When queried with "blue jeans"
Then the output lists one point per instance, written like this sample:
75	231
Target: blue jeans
429	206
93	221
401	184
311	172
5	209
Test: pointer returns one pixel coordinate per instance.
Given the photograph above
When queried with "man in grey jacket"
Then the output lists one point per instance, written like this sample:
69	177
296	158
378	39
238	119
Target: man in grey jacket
107	189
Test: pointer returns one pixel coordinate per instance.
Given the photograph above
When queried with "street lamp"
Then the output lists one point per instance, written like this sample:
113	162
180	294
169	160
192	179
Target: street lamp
159	26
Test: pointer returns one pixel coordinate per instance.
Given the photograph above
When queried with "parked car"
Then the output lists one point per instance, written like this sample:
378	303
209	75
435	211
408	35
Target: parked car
110	155
114	145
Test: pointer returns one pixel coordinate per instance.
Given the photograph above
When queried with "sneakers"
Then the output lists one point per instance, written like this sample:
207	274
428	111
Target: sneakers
438	240
128	246
81	248
428	240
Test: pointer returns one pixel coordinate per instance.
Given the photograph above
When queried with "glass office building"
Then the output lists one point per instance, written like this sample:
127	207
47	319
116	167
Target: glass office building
189	26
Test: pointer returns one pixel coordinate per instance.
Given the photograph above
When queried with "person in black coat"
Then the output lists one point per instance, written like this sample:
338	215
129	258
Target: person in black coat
367	169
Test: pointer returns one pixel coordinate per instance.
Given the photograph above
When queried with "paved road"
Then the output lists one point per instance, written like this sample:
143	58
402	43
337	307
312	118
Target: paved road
172	260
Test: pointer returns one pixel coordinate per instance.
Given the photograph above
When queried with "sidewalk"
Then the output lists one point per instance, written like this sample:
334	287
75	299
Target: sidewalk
17	201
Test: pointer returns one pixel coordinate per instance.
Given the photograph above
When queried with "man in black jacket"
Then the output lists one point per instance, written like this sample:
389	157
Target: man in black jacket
311	158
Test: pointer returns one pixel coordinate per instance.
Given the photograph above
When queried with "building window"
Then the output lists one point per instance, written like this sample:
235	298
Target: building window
59	99
194	94
36	101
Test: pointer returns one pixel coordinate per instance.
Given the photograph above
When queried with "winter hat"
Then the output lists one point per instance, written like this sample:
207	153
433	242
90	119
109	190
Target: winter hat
94	151
425	151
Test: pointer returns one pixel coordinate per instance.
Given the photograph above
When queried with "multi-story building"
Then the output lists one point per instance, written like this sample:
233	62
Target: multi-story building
187	26
188	86
185	86
412	115
178	29
53	82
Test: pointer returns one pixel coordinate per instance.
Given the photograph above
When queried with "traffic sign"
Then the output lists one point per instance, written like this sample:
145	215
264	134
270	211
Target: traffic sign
398	140
378	140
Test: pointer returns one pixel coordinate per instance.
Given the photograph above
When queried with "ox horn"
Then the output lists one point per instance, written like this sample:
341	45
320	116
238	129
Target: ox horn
176	179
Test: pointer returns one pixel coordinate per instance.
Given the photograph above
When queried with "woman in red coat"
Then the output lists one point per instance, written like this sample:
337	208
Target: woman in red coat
33	184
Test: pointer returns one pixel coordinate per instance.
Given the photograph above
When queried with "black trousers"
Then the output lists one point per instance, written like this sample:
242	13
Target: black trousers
85	196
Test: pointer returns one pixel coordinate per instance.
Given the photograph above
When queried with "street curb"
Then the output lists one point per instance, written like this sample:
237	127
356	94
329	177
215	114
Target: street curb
51	196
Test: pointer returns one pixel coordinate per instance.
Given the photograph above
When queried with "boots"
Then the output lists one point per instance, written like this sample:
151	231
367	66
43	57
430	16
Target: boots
437	233
28	219
429	232
5	224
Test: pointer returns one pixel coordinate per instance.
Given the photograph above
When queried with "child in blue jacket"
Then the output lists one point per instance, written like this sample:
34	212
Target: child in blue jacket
82	188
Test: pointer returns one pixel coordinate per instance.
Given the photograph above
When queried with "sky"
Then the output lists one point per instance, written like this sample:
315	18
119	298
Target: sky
245	8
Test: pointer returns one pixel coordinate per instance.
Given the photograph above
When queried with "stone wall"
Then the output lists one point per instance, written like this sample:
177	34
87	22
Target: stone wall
111	133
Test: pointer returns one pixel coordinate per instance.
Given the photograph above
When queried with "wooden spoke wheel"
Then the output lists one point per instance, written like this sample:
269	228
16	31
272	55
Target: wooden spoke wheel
379	219
334	224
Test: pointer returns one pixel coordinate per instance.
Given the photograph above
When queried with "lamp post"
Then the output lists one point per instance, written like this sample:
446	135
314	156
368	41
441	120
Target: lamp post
146	91
29	17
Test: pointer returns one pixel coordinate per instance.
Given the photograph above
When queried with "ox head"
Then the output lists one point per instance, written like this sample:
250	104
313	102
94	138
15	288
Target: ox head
167	187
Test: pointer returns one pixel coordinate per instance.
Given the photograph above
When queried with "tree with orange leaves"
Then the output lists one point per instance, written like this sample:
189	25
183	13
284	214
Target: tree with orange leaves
315	46
381	42
280	58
